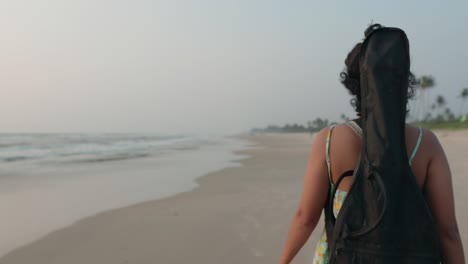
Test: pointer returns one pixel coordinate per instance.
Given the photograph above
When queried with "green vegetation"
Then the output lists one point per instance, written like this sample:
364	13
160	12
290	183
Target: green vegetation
311	126
439	117
424	83
451	125
463	95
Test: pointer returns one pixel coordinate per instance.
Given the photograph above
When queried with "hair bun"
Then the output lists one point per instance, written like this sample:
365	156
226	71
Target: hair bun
371	28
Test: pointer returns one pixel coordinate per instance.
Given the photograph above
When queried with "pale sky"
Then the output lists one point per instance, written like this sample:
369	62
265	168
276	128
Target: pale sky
203	66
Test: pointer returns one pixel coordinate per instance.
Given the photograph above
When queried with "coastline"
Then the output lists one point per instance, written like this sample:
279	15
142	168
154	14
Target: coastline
37	200
231	216
235	215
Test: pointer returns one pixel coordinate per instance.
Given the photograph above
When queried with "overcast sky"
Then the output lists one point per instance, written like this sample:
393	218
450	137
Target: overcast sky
203	66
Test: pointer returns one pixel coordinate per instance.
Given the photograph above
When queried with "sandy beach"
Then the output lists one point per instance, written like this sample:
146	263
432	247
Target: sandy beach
236	215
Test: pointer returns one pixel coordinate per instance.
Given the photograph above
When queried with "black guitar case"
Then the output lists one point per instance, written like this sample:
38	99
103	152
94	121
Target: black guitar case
384	217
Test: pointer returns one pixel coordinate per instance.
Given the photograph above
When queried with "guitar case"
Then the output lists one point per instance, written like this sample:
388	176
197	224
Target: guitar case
384	217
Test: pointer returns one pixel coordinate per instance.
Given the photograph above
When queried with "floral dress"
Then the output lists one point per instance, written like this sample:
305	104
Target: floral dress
321	251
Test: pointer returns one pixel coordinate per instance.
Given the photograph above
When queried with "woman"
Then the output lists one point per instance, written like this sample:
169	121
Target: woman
337	148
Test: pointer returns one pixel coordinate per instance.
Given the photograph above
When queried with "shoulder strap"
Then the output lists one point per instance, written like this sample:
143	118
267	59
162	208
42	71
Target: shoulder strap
358	130
327	151
355	127
418	142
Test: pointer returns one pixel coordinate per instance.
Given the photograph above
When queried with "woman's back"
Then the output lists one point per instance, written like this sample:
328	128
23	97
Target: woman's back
342	151
345	148
430	168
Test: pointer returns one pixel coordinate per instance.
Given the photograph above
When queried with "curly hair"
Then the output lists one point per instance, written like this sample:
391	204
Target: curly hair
350	77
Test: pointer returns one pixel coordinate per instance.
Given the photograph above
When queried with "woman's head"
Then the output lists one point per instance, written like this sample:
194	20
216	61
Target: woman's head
350	77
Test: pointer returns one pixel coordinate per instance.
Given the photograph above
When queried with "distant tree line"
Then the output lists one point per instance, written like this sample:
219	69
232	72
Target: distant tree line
310	126
439	112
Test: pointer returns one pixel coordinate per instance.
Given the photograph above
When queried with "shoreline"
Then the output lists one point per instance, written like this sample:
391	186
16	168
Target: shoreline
198	203
36	203
234	215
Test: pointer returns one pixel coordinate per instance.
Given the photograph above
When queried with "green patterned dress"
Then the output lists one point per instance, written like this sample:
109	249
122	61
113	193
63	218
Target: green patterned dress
321	252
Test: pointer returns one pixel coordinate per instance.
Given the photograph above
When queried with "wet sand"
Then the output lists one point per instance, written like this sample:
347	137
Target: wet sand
236	215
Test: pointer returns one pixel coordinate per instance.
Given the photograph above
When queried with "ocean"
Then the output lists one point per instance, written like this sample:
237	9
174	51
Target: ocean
50	180
54	148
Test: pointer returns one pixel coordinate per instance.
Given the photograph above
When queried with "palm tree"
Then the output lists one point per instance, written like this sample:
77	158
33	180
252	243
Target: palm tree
440	101
344	117
463	95
425	82
439	104
448	114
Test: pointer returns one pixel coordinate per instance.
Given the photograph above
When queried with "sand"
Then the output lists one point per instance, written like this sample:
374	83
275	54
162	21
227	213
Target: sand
236	215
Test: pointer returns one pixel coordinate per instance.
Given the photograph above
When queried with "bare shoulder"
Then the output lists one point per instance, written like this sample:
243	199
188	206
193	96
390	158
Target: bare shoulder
321	136
428	135
343	132
431	143
319	144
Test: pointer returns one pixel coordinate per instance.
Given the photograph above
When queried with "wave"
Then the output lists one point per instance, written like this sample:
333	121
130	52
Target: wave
88	147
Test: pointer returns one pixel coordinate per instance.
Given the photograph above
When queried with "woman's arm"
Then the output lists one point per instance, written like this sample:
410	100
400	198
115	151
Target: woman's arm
312	200
439	194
